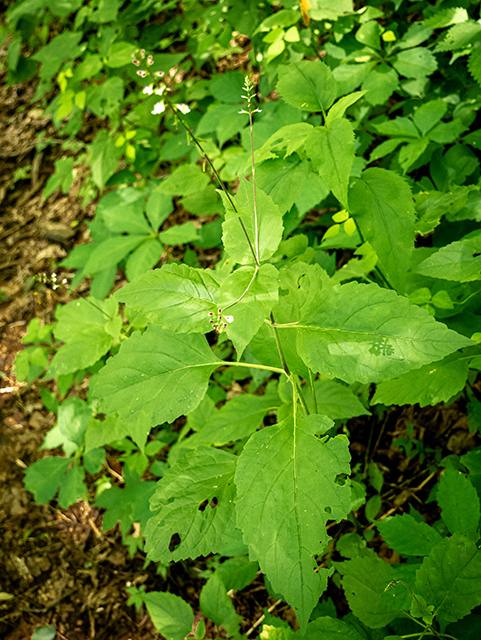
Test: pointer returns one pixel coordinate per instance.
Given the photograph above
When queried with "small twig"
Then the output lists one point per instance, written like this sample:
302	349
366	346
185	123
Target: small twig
259	621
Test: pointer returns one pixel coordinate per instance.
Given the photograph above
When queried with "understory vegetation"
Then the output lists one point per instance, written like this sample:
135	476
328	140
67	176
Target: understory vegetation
286	238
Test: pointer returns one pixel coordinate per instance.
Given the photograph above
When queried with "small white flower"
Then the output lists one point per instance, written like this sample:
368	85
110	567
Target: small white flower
183	108
160	90
158	108
229	319
148	90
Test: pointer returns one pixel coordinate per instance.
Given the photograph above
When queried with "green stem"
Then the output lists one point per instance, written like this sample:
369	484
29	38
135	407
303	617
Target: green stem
256	269
313	391
214	171
253	168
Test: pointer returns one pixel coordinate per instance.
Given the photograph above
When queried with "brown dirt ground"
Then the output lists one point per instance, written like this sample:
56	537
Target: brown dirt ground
59	566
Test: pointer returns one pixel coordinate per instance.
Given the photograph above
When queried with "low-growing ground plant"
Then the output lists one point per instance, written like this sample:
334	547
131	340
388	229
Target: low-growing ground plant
377	135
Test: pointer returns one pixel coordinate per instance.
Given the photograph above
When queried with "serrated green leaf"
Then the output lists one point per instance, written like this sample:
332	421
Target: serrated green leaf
269	225
44	477
110	252
82	325
72	487
307	85
217	606
332	151
339	108
238	572
185	181
459	261
170	614
300	471
237	419
144	257
446	17
380	83
194	500
329	628
450	576
363	333
283	180
164	373
175	297
122	211
127	505
429	114
104	156
397	127
364	580
382	206
179	234
335	400
290	137
407	536
459	501
253	293
415	63
474	64
460	36
433	383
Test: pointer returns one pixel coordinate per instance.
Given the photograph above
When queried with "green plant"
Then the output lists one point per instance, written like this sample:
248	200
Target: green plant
266	472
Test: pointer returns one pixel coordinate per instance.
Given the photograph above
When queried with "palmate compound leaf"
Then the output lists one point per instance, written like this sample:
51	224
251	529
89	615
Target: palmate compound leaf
363	333
160	372
432	383
286	492
253	293
382	206
175	297
194	502
459	261
269	225
450	576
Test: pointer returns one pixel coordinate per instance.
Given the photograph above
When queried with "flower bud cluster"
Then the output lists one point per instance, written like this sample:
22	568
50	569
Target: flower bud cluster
49	280
149	90
219	322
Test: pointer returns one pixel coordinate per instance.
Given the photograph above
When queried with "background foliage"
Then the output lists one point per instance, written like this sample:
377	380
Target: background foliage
343	282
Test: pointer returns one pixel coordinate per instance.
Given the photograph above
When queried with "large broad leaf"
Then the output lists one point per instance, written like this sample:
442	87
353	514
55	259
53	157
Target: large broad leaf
176	297
248	295
332	151
284	526
194	507
264	229
449	578
433	383
161	372
307	85
459	261
382	206
407	536
459	501
363	333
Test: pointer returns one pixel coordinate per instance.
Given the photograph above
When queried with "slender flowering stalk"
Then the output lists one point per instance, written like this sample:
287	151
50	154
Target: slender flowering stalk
249	95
